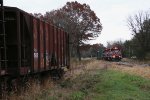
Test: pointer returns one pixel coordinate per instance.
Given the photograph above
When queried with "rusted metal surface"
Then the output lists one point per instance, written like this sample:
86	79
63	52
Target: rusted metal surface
52	49
29	45
67	50
64	53
55	60
35	44
61	47
47	53
64	36
32	45
41	34
58	52
51	42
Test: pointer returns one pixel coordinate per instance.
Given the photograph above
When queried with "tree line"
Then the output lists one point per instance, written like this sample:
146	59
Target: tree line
139	45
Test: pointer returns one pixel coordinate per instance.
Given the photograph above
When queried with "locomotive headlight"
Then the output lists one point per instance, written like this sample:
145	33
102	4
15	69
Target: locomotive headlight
113	56
120	56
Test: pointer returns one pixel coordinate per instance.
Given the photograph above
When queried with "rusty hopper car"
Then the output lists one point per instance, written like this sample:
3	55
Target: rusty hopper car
29	45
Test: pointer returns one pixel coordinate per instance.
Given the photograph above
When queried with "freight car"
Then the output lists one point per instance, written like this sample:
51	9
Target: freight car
29	45
112	54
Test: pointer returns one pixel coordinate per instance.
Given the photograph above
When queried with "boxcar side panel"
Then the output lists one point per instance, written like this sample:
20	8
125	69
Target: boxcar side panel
63	61
47	46
41	46
35	44
65	52
55	48
61	49
26	43
58	52
51	44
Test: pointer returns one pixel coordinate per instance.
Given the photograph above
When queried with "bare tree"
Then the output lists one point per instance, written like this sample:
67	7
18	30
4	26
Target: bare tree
139	24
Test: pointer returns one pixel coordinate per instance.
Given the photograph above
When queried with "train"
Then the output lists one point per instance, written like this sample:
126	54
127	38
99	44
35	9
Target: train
29	45
112	54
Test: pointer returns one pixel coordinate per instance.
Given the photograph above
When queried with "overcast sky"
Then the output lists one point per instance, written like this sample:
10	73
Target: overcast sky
112	13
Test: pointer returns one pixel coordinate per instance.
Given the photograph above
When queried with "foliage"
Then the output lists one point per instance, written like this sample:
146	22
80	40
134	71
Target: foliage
78	20
139	24
90	50
38	15
129	50
118	43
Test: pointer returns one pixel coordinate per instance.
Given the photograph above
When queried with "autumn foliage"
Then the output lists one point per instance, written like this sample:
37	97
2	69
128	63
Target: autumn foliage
78	20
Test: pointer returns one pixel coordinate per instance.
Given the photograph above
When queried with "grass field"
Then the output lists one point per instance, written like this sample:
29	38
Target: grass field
92	81
106	85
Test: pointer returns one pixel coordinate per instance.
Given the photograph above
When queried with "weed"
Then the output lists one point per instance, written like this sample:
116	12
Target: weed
66	83
77	95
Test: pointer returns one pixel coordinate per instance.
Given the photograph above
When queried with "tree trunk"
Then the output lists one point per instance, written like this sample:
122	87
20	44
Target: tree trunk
78	52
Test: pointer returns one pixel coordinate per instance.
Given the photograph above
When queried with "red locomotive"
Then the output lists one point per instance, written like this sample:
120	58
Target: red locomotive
113	53
29	45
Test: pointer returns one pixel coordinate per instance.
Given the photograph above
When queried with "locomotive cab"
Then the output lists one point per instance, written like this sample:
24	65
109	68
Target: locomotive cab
112	54
116	54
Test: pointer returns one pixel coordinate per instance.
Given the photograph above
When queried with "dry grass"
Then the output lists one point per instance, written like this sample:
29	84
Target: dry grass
34	90
52	91
49	90
136	69
84	66
92	64
134	61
